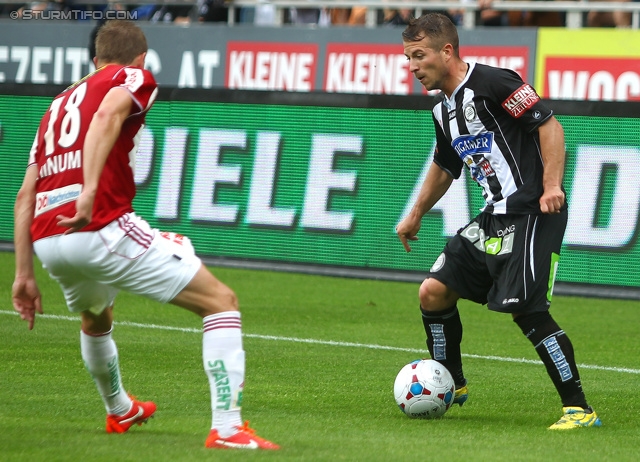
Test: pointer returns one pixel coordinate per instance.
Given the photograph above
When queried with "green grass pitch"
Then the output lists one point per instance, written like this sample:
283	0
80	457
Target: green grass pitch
322	354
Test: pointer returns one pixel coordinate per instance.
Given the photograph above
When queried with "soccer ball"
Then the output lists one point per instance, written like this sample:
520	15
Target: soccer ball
424	388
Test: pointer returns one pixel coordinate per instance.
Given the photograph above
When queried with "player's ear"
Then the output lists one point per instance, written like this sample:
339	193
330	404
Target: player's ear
139	61
447	51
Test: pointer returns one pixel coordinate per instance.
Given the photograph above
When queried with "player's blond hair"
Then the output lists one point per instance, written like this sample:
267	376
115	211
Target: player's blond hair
120	42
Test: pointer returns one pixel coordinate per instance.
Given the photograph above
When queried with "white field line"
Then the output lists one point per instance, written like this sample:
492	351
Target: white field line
331	343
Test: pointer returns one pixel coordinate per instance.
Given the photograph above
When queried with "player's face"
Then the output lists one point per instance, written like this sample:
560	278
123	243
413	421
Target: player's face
426	63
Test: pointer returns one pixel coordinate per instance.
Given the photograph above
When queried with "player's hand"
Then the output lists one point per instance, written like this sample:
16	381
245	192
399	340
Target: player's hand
407	230
552	200
84	208
26	299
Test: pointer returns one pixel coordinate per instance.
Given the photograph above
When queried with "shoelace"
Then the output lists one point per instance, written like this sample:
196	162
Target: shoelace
568	416
245	428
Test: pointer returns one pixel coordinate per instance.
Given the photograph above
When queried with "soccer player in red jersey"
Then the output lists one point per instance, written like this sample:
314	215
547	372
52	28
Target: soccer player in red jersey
74	210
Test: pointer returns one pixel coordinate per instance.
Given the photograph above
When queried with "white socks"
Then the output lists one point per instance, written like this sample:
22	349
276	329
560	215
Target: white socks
223	359
100	357
222	356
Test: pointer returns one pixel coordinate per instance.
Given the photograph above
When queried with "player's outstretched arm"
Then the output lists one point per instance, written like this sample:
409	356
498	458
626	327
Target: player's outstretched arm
102	135
436	183
24	293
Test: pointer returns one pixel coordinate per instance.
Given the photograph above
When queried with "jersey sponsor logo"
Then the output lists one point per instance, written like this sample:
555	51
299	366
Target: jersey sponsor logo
479	169
134	80
468	145
469	112
48	200
508	230
521	100
485	167
489	245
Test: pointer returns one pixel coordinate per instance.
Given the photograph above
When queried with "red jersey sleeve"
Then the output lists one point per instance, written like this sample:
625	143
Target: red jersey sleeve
140	84
33	150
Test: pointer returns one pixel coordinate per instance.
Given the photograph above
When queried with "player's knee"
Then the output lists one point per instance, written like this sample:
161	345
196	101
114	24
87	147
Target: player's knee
96	324
434	295
429	289
223	299
230	299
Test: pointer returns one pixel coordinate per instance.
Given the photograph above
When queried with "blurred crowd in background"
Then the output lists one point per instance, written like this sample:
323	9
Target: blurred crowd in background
265	14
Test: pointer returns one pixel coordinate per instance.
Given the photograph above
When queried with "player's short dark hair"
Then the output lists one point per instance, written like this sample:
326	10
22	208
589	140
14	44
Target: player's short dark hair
437	27
120	42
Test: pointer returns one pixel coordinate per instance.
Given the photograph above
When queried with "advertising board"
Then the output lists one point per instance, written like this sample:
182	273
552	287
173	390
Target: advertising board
267	177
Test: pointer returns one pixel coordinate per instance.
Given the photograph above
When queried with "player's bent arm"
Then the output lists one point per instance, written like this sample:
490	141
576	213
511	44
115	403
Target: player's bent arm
102	135
553	157
435	185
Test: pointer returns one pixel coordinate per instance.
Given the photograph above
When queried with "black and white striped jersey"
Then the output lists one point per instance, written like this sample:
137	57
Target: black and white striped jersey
490	125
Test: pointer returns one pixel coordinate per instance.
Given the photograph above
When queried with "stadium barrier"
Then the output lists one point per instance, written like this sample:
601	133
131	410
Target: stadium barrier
575	11
571	64
315	182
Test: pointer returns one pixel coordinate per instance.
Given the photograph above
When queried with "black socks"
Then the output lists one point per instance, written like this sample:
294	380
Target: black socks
444	334
556	352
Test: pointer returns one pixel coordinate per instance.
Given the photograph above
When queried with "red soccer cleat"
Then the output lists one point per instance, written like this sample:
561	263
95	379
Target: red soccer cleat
140	412
246	438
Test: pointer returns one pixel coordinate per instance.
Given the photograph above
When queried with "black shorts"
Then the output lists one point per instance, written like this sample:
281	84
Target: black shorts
508	262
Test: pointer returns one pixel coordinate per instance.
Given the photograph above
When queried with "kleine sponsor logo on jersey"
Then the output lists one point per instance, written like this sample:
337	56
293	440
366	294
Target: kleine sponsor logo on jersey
592	78
271	66
366	68
521	100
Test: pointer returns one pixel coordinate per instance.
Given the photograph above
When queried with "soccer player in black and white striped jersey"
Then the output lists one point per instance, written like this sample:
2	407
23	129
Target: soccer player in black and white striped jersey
496	125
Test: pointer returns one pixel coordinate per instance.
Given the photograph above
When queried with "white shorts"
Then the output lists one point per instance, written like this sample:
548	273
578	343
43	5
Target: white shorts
92	267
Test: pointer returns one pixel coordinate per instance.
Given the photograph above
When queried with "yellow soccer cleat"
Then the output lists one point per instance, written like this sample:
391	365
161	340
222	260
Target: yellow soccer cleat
462	394
575	417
